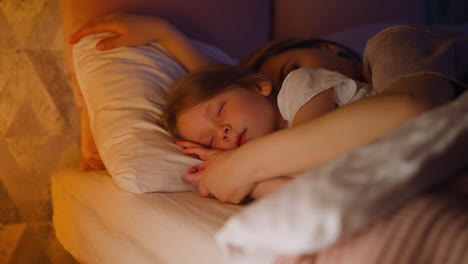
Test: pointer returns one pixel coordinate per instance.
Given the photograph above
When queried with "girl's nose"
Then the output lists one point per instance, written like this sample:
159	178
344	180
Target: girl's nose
225	132
227	140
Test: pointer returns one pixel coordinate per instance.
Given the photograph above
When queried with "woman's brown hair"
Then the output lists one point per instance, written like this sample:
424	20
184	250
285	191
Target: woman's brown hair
204	84
257	58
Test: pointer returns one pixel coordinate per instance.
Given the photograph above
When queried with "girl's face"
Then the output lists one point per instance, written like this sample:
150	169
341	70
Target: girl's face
278	66
232	118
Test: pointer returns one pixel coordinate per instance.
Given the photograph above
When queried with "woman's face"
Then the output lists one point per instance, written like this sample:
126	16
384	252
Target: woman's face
230	119
279	66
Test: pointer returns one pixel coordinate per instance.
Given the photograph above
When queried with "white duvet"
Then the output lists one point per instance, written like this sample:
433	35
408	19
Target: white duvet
98	223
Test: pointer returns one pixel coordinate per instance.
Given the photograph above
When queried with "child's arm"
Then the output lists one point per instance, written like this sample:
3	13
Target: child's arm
232	175
320	140
133	30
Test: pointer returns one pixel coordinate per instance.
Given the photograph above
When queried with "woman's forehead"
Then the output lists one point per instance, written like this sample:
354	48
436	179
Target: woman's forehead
272	66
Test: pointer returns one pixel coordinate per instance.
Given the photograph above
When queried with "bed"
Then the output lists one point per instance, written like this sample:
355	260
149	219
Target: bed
98	222
144	213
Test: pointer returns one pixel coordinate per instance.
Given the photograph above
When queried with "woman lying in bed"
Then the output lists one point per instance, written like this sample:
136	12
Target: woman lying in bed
405	83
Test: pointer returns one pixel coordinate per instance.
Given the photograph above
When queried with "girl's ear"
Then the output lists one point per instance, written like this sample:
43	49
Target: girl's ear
264	87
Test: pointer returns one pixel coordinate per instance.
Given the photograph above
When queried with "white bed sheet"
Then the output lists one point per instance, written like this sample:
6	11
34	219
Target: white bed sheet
99	223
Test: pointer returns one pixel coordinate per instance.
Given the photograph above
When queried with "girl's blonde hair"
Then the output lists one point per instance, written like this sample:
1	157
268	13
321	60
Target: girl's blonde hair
204	84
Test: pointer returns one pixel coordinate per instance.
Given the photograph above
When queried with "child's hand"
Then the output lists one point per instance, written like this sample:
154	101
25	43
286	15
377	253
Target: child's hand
192	148
224	174
128	30
220	174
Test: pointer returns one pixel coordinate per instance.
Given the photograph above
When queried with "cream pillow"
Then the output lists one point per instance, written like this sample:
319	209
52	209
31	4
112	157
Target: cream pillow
125	90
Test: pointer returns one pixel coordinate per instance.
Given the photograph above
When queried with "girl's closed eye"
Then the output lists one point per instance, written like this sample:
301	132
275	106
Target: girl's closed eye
219	114
220	110
211	142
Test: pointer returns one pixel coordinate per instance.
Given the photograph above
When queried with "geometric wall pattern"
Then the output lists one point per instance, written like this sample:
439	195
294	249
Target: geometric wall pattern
39	129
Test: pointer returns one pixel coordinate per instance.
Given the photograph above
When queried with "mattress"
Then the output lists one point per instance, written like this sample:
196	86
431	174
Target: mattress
99	223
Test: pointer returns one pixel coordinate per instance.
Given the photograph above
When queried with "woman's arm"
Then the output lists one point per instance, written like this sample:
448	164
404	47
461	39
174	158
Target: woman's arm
264	188
232	175
134	30
320	140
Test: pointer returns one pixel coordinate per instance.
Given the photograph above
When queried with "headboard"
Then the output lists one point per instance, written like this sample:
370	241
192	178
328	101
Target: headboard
239	26
307	18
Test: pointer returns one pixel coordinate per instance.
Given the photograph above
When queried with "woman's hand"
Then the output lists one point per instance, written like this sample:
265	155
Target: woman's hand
223	174
127	29
135	30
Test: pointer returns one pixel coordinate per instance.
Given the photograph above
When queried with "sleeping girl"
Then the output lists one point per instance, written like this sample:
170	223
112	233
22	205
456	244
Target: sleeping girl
256	131
224	107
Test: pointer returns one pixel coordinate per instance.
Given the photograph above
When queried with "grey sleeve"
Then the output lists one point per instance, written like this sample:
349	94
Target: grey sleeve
404	51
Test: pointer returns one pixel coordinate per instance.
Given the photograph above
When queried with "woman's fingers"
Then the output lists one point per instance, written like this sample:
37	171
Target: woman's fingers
110	43
94	28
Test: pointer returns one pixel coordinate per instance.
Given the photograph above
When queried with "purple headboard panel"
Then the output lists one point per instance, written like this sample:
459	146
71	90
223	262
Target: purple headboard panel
309	18
236	26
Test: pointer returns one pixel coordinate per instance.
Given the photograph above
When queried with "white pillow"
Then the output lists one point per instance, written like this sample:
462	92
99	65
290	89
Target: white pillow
340	197
125	91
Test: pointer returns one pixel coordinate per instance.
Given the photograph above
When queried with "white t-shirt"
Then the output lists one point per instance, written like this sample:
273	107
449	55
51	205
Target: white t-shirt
304	83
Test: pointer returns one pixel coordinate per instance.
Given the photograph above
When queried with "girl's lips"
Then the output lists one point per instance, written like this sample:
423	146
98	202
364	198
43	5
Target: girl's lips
241	138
